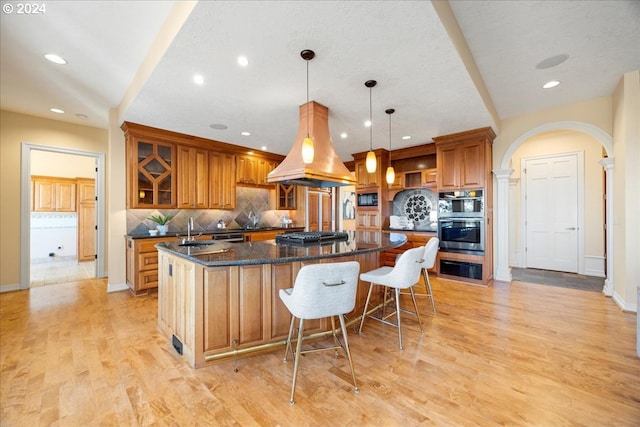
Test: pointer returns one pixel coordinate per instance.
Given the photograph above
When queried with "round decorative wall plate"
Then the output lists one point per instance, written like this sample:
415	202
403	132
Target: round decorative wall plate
417	207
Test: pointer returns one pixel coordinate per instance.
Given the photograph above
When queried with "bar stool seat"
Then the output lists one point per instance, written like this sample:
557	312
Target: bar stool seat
403	276
319	291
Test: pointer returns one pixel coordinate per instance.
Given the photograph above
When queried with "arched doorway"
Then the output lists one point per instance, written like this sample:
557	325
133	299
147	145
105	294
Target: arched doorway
503	173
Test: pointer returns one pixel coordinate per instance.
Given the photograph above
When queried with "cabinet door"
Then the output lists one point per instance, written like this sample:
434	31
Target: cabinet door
44	197
429	177
448	160
286	196
247	170
222	180
472	167
87	231
193	178
220	294
364	179
368	220
152	183
65	196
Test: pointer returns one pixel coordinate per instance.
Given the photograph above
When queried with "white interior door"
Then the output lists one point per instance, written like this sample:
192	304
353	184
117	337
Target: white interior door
551	212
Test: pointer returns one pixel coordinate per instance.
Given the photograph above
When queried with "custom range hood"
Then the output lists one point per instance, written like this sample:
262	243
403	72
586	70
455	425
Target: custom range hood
326	170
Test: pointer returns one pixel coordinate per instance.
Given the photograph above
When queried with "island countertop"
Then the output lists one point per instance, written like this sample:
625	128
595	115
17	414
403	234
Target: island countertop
269	252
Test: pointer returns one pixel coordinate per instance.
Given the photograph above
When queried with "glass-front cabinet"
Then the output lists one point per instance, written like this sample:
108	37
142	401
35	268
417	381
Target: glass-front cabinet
151	171
154	184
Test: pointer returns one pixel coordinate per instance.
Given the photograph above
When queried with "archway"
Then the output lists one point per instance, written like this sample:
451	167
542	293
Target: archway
502	269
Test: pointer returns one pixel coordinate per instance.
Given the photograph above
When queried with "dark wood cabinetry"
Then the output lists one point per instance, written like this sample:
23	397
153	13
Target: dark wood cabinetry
464	159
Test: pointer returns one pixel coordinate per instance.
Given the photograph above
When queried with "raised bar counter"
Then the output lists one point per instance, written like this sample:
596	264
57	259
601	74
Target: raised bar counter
221	300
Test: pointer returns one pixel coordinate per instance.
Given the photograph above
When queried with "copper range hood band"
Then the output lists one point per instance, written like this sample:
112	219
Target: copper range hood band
326	170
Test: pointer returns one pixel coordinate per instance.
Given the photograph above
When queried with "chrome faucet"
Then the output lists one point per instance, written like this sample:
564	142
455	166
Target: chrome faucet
254	219
190	229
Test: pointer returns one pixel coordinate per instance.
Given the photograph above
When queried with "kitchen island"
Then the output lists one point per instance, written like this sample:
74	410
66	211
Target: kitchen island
220	300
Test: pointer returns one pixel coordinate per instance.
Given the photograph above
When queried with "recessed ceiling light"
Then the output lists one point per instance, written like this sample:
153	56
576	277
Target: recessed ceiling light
82	116
343	135
55	58
198	79
218	126
367	123
243	61
552	61
406	137
264	148
549	85
245	133
56	110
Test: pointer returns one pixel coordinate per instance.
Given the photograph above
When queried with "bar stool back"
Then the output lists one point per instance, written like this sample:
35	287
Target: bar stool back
321	290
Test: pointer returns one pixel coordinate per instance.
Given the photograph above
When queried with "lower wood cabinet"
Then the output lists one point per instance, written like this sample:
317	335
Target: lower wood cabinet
414	240
218	313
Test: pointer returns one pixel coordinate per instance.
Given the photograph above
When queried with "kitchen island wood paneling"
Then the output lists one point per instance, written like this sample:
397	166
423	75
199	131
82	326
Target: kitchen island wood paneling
221	301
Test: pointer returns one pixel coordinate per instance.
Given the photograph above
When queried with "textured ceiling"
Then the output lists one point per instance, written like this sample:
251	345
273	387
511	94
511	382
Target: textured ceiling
401	44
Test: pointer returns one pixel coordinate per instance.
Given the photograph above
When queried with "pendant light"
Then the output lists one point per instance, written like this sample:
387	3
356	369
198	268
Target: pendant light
307	143
391	173
371	161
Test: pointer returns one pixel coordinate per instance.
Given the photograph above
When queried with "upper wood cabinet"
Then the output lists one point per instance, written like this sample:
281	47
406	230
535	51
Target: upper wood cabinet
364	179
253	171
53	194
464	159
286	196
222	180
193	178
151	176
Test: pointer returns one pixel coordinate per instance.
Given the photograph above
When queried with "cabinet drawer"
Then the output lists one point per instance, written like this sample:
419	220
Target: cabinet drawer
148	279
148	261
148	245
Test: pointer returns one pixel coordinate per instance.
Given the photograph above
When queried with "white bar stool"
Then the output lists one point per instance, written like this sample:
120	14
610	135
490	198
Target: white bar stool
321	290
429	257
404	275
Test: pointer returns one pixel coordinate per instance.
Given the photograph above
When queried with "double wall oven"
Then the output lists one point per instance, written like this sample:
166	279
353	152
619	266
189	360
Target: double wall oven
461	220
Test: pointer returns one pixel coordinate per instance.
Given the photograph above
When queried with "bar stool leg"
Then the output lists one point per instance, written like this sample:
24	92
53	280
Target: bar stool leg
297	360
286	351
398	316
366	305
348	351
427	283
415	306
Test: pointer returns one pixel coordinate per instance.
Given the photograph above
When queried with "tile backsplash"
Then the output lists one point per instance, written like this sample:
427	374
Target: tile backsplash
247	200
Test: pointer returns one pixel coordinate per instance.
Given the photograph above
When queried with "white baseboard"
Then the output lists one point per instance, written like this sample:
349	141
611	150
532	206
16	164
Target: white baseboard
624	305
594	266
10	288
116	288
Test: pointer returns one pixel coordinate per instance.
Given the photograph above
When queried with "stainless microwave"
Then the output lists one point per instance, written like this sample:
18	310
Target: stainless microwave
367	199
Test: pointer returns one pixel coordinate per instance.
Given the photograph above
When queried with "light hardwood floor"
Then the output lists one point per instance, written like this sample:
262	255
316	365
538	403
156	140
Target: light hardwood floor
516	355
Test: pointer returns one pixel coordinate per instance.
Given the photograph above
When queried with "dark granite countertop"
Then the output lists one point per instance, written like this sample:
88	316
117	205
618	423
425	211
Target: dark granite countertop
421	229
270	252
214	231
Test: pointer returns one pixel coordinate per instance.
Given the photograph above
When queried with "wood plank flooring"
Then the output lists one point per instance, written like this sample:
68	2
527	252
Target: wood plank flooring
516	355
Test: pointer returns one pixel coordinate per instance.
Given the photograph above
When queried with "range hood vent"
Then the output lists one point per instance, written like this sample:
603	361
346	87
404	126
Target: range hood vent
326	170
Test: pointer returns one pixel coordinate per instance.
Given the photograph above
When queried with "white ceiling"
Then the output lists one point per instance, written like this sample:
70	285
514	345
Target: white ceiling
401	44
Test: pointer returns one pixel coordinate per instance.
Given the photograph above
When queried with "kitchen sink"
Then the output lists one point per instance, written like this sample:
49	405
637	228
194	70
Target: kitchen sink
196	243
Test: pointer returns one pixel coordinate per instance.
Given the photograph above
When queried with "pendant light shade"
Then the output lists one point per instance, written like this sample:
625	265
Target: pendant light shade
391	173
307	144
371	162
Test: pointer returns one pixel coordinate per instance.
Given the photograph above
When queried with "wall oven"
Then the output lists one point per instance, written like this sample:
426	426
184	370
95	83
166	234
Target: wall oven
461	203
461	234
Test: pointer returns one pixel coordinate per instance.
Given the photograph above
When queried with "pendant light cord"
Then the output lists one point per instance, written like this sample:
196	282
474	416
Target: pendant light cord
307	99
370	124
390	139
